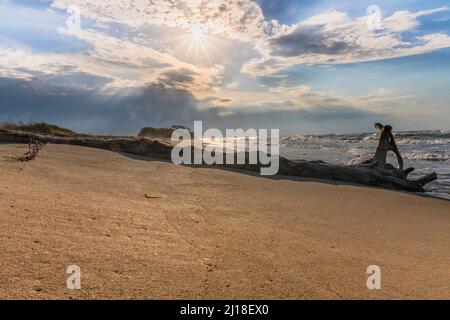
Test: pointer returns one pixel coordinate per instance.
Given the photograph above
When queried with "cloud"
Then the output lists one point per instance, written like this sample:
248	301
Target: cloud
134	63
126	112
124	62
19	63
309	40
122	48
298	91
404	20
175	78
333	37
133	59
239	19
94	111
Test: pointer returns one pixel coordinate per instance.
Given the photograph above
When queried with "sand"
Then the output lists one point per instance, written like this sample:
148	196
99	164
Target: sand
203	233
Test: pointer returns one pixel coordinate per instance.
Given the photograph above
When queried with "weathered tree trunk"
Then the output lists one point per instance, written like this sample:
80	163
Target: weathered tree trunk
374	172
385	144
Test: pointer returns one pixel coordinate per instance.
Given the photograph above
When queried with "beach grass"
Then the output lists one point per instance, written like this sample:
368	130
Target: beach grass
38	127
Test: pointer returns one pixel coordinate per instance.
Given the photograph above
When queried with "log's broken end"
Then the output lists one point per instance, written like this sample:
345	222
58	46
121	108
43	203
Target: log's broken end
426	179
387	174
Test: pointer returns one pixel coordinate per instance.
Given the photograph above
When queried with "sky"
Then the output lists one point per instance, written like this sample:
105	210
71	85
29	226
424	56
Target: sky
303	66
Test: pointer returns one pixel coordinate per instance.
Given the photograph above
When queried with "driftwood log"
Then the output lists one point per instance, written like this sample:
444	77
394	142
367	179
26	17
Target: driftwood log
373	172
386	144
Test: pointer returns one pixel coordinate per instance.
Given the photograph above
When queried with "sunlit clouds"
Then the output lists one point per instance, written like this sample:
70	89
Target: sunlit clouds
229	56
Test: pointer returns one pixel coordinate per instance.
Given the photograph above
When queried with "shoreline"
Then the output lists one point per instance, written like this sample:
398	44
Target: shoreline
386	176
423	150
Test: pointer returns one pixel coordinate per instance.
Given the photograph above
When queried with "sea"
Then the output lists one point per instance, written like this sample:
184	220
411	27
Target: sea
426	151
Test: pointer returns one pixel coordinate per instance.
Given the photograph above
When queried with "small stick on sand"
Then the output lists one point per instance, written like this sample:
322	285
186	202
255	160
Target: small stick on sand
34	147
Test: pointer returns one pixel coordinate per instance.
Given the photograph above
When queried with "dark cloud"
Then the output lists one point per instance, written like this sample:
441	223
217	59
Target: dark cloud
94	111
91	111
321	119
174	77
309	40
283	9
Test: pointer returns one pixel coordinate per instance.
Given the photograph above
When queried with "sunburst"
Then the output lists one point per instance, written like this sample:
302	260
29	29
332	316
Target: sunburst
197	33
196	43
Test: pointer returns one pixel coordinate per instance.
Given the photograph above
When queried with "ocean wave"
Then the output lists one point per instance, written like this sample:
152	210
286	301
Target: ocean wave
427	151
407	137
429	134
424	156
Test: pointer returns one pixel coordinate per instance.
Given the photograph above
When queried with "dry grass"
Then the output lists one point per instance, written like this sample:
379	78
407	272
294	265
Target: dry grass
150	132
155	132
38	127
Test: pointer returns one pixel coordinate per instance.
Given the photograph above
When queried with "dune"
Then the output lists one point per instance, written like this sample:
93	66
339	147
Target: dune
141	228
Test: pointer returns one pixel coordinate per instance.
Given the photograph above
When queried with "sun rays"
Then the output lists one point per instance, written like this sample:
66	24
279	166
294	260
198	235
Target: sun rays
196	44
197	33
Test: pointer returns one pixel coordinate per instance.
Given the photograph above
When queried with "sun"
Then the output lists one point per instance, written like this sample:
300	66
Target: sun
197	33
197	44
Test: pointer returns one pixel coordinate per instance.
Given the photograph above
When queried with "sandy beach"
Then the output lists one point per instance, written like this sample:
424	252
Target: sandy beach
143	228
